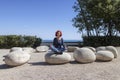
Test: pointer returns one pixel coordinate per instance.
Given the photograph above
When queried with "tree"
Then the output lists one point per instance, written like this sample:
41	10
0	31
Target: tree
81	20
97	17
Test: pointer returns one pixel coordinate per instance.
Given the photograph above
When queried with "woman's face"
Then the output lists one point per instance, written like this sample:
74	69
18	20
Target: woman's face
58	34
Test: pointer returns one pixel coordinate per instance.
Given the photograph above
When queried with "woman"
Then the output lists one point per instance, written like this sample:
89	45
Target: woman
58	44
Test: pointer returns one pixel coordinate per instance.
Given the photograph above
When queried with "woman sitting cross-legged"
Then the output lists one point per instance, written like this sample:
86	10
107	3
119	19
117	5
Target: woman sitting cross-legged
58	44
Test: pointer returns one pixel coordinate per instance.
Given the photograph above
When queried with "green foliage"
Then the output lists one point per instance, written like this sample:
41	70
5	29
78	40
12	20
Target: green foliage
101	41
37	42
97	17
10	41
98	21
28	40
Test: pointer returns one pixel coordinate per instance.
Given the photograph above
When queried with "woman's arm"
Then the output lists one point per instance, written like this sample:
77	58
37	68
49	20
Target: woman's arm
64	46
55	42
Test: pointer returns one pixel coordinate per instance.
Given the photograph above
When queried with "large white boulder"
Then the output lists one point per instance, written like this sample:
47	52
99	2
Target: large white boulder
92	48
16	58
84	55
42	48
113	50
28	49
52	58
15	49
100	48
104	55
71	48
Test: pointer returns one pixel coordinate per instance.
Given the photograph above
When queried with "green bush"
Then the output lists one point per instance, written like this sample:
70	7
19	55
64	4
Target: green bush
9	41
96	41
37	42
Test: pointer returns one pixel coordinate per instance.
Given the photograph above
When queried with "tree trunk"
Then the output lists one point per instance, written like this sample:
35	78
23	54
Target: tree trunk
109	29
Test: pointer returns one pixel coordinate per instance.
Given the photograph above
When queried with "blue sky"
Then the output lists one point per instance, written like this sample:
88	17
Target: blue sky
38	17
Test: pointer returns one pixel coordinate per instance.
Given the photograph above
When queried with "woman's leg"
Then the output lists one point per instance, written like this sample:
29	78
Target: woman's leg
54	48
62	49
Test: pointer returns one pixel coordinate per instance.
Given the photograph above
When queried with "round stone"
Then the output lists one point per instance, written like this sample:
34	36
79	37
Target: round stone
28	49
42	48
92	48
52	58
100	48
84	55
113	50
15	49
71	48
104	55
16	58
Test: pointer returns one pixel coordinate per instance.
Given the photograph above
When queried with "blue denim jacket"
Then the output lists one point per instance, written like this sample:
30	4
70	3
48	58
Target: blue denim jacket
58	43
